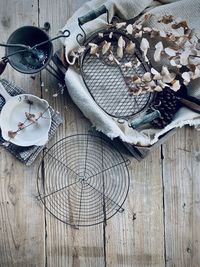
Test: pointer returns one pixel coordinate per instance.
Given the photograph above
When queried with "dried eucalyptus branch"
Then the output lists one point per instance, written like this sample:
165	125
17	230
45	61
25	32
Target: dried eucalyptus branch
28	117
178	44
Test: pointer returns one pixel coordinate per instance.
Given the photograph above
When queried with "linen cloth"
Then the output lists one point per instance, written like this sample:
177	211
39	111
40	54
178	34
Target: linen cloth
128	9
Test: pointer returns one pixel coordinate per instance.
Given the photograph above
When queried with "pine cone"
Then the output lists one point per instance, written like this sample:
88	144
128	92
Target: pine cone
166	102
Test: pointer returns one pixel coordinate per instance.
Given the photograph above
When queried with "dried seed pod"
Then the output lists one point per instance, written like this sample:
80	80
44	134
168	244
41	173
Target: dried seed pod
94	49
110	35
100	34
184	58
159	49
129	29
121	42
136	79
106	47
167	77
175	85
21	125
144	46
130	47
81	49
170	52
147	77
157	75
120	52
128	64
30	117
186	77
120	25
196	73
166	19
147	29
111	57
12	134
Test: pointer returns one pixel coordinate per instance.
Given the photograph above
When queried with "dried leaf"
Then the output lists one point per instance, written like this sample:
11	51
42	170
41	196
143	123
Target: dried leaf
147	16
138	34
136	79
147	77
12	134
120	25
162	84
100	34
196	73
110	35
137	63
81	49
147	29
158	88
162	34
154	33
181	24
144	46
129	29
128	64
130	48
152	84
159	49
186	77
175	63
120	52
121	42
30	117
192	67
138	27
170	52
94	49
167	77
175	85
106	47
166	19
184	58
157	75
111	57
21	125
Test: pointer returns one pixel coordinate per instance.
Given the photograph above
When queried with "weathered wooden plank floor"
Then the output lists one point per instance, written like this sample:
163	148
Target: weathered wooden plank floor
161	221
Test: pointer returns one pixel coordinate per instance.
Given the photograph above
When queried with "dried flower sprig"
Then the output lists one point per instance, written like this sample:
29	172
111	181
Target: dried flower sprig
30	117
176	42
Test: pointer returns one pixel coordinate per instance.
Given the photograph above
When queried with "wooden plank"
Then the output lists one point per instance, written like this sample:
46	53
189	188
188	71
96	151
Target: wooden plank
135	237
182	199
21	220
66	246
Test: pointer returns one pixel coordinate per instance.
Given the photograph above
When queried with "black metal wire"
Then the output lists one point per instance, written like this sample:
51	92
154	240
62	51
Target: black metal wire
86	180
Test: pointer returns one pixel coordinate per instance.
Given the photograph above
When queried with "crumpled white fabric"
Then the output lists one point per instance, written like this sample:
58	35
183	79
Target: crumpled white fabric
127	9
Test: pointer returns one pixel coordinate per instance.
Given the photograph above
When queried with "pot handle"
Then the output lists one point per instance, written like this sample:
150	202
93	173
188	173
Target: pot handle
93	14
4	93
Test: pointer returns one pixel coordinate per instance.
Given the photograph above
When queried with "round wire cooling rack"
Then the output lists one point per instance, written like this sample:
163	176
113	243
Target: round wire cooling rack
83	180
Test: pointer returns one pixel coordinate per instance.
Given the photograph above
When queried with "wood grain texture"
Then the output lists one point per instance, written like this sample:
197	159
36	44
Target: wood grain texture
135	237
182	199
21	220
160	223
66	246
